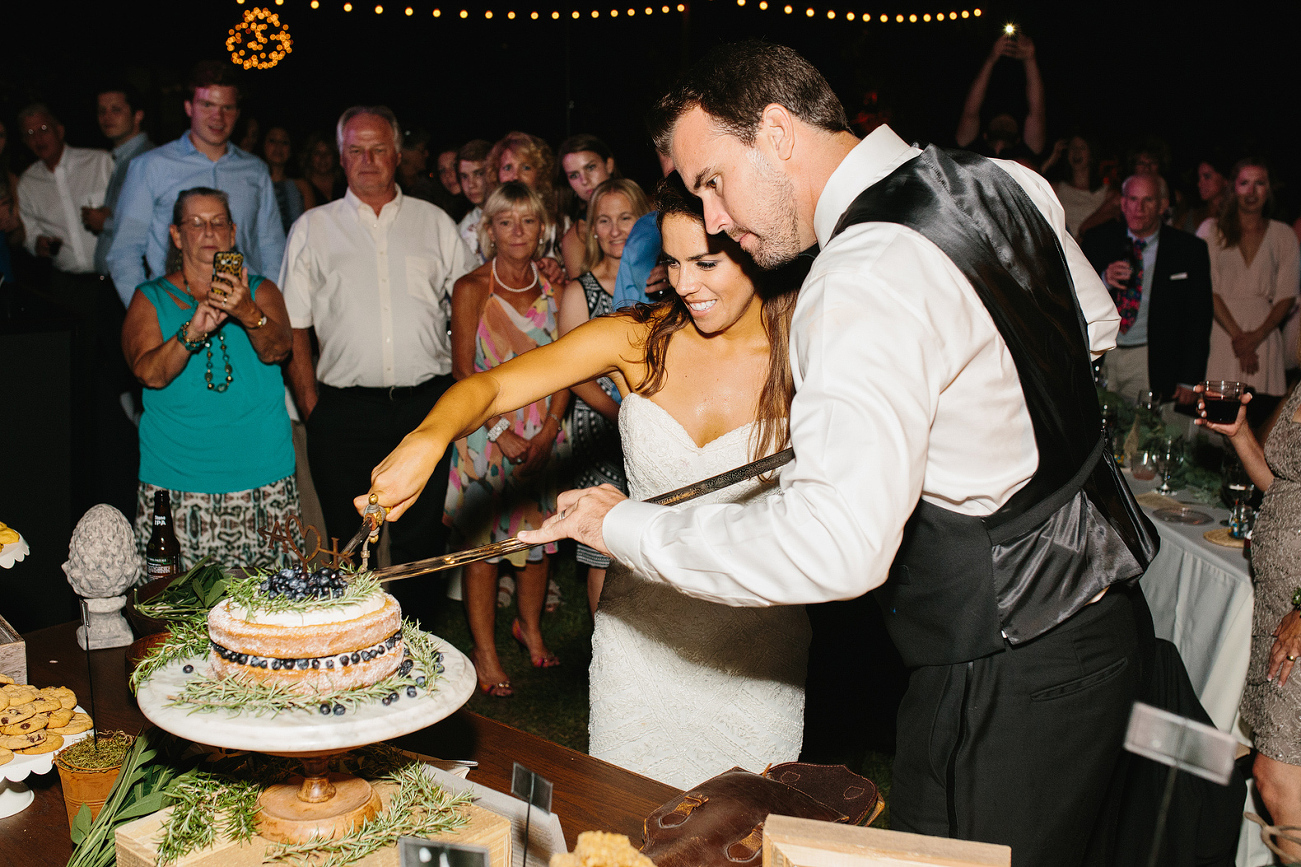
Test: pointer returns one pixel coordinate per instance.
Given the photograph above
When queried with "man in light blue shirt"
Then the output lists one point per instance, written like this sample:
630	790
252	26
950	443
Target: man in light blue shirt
202	157
117	107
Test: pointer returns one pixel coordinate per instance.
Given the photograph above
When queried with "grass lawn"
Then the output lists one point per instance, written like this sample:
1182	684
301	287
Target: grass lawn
552	703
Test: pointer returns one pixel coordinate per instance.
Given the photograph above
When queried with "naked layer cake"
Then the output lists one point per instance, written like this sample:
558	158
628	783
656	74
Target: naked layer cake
309	633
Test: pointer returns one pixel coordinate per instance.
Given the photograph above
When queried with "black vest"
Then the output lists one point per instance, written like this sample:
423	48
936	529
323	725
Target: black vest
964	587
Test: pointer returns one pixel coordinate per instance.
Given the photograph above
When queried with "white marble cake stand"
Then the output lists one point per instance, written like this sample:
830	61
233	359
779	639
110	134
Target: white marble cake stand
14	795
319	804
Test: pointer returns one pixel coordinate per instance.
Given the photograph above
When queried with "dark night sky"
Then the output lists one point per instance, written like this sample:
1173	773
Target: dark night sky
1115	69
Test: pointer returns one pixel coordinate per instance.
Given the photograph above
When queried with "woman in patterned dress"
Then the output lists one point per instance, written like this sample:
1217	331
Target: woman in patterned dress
501	479
1271	698
612	209
215	431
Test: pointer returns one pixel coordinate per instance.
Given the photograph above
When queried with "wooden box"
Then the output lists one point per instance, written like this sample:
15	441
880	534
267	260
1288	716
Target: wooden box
13	653
789	842
137	844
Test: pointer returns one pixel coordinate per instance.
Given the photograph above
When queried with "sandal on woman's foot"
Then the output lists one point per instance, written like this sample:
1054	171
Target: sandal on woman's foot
552	603
497	690
505	591
500	689
544	660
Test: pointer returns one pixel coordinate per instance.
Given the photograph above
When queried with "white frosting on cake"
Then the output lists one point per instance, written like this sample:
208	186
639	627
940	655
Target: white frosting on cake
315	617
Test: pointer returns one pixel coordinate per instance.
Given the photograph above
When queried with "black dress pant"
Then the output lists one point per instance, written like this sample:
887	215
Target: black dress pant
349	432
1019	748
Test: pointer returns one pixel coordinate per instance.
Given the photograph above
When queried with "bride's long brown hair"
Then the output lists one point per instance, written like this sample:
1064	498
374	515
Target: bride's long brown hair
777	291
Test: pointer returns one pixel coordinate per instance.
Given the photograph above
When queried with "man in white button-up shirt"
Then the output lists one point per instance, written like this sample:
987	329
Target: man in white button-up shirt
372	273
54	189
51	194
906	391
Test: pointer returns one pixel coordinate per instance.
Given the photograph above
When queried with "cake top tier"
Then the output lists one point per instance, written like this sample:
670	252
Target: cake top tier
299	593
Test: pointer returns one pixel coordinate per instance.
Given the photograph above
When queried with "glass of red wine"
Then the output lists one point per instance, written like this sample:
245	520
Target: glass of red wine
1221	399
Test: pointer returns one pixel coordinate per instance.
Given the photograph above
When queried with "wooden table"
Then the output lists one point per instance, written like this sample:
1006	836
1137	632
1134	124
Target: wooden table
589	794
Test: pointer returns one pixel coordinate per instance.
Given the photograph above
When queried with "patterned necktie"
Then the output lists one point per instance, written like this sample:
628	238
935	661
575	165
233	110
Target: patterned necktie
1129	298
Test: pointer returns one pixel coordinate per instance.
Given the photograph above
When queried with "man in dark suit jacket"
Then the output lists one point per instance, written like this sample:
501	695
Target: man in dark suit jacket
1160	278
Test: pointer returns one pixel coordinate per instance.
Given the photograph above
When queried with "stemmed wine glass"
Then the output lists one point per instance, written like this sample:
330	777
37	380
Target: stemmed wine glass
1167	461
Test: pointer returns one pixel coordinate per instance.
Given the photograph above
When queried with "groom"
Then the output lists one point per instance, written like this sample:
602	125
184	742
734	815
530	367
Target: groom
944	425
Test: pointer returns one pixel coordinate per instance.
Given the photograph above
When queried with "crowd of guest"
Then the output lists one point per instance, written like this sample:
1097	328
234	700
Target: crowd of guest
1204	279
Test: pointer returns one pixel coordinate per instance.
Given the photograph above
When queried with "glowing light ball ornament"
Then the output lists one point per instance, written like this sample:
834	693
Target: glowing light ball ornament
260	41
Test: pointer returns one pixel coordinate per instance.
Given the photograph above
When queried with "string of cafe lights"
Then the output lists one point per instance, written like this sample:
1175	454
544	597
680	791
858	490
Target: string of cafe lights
632	11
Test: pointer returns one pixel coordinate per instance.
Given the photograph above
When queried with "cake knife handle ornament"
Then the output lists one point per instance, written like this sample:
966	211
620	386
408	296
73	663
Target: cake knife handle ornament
510	546
371	520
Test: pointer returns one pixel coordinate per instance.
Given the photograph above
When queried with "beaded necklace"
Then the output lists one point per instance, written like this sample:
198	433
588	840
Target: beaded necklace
218	387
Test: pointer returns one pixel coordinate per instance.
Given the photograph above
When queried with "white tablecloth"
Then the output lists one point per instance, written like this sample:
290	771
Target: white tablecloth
1201	599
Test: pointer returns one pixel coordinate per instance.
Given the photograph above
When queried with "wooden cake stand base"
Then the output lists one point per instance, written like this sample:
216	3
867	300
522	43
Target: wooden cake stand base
319	805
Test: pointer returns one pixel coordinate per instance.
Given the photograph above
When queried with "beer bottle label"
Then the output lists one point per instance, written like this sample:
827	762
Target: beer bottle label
160	520
160	567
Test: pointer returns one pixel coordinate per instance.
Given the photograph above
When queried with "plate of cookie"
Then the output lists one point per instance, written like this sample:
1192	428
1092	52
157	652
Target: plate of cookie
34	724
13	547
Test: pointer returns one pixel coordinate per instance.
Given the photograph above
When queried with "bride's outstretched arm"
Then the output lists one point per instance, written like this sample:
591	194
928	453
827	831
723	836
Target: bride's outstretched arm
608	346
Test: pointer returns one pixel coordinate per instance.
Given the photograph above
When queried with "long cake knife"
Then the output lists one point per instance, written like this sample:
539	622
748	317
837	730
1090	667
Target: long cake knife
497	549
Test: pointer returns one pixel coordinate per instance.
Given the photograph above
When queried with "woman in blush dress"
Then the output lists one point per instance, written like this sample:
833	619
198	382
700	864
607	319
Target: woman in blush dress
1256	276
681	689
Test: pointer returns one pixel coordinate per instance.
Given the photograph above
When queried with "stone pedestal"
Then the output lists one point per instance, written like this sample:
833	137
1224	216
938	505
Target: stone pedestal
105	626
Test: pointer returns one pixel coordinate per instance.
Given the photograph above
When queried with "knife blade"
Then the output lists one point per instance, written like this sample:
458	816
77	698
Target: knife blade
510	546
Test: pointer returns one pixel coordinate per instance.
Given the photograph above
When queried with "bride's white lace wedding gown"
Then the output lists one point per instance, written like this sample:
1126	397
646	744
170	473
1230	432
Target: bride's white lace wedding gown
683	689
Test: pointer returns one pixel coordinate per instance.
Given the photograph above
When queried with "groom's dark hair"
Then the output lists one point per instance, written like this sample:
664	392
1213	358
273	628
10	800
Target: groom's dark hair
734	83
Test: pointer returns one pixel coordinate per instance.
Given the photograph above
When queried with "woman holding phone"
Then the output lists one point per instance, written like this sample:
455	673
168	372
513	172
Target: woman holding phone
206	346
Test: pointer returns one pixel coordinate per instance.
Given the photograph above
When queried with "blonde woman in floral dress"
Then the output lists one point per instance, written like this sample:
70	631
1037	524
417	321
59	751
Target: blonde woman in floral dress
501	480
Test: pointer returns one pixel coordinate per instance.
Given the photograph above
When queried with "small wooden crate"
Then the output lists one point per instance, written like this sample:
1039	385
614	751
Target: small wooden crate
137	843
13	653
789	842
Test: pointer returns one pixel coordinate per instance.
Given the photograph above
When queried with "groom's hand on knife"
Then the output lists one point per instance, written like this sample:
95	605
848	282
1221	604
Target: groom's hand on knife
579	515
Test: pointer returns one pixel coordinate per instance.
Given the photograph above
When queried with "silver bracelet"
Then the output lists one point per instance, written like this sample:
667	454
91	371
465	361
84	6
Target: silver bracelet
498	429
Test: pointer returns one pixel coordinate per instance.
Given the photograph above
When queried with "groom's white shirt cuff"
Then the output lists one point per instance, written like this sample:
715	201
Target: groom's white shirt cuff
622	531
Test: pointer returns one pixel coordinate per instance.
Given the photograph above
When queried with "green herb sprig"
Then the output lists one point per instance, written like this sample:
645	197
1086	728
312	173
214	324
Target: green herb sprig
192	593
246	593
222	803
150	766
188	638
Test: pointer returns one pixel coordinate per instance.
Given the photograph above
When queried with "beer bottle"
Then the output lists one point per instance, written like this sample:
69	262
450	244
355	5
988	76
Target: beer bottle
163	554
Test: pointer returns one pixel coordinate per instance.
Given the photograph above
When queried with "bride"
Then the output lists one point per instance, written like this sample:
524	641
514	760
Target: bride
681	689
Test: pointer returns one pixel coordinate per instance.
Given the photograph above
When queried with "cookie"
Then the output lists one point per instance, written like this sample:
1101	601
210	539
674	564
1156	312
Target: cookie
18	743
45	705
16	714
4	699
49	745
34	724
6	756
79	723
4	678
64	696
61	717
19	693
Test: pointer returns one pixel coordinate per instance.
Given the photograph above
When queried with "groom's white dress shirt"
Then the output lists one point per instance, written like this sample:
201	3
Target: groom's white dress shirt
904	388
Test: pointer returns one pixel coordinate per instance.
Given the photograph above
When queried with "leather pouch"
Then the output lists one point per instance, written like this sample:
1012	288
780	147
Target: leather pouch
719	823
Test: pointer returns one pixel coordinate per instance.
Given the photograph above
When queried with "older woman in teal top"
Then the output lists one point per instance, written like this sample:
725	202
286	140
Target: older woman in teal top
215	431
